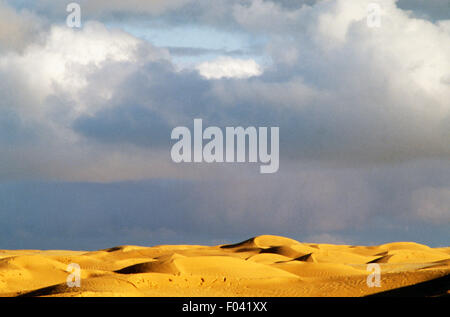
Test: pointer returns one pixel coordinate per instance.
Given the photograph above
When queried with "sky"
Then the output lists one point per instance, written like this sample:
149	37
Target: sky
86	116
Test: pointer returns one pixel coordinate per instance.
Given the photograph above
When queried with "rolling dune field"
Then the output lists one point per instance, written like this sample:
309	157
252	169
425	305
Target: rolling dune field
262	266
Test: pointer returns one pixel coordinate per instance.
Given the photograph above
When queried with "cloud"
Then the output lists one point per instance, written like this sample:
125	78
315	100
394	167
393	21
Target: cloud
432	204
363	116
361	81
136	125
18	28
325	238
227	67
435	10
63	63
307	203
62	66
339	91
99	8
196	51
174	12
344	94
134	6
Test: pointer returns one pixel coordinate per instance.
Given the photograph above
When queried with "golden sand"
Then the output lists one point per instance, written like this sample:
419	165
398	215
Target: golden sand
261	266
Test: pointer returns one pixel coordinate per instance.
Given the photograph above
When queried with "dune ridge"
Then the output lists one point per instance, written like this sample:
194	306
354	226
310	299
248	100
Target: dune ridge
261	266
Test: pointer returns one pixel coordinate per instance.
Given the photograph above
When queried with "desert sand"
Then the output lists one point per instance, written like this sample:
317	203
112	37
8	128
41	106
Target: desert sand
262	266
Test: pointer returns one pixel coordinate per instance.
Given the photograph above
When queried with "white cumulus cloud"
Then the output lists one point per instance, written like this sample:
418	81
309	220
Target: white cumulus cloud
227	67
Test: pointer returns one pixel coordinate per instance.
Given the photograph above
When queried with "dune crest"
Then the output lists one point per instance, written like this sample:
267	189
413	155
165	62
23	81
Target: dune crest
261	266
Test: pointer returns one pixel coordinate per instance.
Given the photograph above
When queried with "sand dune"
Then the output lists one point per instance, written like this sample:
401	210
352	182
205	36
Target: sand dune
261	266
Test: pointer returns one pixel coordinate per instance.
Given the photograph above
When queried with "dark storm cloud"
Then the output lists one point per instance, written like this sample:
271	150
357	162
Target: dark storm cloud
135	125
361	207
173	11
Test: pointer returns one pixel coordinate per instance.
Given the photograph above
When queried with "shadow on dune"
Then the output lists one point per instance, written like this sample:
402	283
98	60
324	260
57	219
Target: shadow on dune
434	288
49	290
439	287
138	268
249	242
382	259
